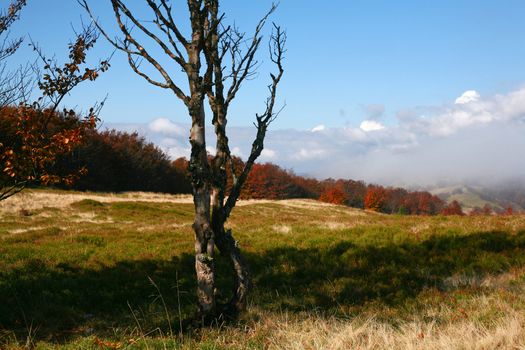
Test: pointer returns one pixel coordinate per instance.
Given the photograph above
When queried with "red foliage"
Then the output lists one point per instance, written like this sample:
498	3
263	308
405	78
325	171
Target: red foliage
32	140
120	161
422	203
394	201
271	182
181	165
333	195
375	198
34	136
454	208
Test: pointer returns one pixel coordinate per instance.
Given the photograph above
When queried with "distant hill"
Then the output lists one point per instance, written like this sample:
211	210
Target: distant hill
498	197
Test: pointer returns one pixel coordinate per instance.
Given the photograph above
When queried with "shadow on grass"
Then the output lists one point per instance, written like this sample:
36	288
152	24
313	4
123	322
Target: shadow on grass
64	301
350	275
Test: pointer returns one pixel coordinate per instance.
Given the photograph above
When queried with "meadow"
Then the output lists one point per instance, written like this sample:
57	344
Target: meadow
99	271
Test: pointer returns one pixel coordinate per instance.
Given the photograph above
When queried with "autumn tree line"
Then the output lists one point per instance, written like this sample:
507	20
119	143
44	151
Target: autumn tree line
117	161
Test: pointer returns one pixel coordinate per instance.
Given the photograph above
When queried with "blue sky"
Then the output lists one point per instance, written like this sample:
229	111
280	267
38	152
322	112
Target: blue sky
342	56
381	63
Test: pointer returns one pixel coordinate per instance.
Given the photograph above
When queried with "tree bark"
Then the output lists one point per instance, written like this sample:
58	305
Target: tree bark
242	278
229	247
224	240
204	237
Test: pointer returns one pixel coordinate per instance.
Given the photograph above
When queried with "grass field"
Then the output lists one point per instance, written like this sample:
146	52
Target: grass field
116	271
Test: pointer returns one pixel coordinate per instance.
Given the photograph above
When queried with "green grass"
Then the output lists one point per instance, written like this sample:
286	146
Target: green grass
96	270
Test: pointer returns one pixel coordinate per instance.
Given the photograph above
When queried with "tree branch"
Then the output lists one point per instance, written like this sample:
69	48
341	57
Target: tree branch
243	68
277	44
123	45
180	60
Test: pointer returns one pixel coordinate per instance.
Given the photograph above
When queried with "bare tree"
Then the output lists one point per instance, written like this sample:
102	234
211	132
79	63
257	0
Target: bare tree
217	60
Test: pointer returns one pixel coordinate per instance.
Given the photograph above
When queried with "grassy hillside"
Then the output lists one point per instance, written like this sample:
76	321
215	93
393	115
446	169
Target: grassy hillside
102	272
476	196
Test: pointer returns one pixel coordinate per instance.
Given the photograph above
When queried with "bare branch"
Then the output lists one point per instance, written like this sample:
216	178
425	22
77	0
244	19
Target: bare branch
167	26
135	67
125	10
116	43
244	67
13	83
139	50
12	190
277	50
170	23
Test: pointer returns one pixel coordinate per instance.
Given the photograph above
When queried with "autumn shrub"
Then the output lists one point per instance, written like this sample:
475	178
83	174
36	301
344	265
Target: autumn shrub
422	203
375	198
454	208
353	191
44	147
270	181
334	196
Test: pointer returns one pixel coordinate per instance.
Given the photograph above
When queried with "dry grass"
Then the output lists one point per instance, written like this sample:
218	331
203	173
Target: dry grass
432	329
508	332
24	230
435	328
38	199
285	229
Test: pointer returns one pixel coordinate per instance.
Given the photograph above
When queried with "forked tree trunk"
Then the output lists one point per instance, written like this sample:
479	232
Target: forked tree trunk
224	240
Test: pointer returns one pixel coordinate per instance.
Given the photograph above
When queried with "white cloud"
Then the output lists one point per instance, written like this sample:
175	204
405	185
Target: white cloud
268	154
178	152
236	151
458	140
308	154
166	127
371	125
318	128
168	142
356	134
470	111
467	97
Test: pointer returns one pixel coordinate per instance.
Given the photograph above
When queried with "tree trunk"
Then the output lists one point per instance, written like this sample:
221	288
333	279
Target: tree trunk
242	281
228	246
223	238
204	237
204	249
